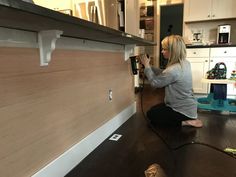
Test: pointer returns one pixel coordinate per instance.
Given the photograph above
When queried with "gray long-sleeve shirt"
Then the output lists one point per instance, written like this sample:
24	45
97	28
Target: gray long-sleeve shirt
177	81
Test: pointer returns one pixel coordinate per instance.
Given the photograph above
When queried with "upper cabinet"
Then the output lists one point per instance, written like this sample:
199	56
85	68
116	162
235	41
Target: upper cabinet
196	10
223	9
202	10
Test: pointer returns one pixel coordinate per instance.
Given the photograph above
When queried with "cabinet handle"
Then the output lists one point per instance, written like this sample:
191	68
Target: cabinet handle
208	16
213	15
194	52
211	60
206	60
225	51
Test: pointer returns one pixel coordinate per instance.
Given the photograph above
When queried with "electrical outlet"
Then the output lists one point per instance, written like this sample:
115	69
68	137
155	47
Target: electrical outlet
115	137
110	95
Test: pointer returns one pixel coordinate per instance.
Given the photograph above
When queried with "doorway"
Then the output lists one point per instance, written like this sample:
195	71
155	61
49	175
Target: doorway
171	22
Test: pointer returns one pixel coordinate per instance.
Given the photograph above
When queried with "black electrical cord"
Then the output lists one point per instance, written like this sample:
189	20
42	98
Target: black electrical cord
151	126
172	149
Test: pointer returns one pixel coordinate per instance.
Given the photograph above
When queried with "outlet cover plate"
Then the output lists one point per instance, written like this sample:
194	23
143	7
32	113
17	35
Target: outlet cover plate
115	137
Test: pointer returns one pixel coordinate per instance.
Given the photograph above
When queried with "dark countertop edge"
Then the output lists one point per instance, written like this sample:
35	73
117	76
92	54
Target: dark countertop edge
210	46
120	37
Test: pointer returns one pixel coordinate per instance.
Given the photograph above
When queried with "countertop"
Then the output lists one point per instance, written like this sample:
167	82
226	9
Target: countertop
211	46
17	14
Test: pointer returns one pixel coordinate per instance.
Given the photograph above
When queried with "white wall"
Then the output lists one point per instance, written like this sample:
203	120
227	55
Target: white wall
58	5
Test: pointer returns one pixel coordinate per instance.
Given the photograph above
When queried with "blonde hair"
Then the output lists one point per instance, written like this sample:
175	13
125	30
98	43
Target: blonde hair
176	47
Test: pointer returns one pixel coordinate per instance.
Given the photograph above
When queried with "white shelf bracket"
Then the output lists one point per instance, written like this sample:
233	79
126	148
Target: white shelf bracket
47	43
129	51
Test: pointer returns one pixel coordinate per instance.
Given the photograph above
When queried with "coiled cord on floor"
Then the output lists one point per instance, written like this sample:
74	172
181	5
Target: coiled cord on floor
182	145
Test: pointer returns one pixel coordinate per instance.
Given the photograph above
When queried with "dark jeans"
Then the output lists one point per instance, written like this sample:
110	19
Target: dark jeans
162	115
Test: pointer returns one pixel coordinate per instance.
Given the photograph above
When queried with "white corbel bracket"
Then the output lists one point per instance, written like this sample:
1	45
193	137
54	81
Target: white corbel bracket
47	43
129	51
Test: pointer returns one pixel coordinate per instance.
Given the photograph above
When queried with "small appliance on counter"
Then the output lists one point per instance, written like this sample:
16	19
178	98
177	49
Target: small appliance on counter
223	34
197	37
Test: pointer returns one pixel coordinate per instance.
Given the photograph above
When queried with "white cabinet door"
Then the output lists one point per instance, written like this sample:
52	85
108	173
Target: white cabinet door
223	52
197	10
200	10
223	9
198	53
199	68
199	59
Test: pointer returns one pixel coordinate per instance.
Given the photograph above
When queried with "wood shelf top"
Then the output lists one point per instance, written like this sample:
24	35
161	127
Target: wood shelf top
30	17
218	81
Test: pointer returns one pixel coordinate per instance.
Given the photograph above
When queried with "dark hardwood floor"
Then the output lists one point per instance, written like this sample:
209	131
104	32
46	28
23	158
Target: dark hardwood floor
181	152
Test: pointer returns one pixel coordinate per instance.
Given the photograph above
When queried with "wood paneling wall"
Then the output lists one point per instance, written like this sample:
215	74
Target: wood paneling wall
46	110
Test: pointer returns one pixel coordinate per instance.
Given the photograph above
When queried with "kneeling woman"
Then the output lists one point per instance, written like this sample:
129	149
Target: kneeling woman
180	106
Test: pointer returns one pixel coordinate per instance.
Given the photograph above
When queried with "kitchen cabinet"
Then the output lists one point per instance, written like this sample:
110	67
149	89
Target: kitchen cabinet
204	59
199	59
201	10
223	9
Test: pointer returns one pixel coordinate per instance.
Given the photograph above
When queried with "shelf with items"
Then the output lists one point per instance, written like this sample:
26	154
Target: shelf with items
107	13
147	27
30	17
146	23
146	18
146	11
121	15
90	10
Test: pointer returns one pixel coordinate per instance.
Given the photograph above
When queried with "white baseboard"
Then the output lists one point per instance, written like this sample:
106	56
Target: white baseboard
68	160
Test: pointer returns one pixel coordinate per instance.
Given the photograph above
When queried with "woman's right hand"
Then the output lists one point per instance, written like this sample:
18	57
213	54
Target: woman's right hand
145	60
